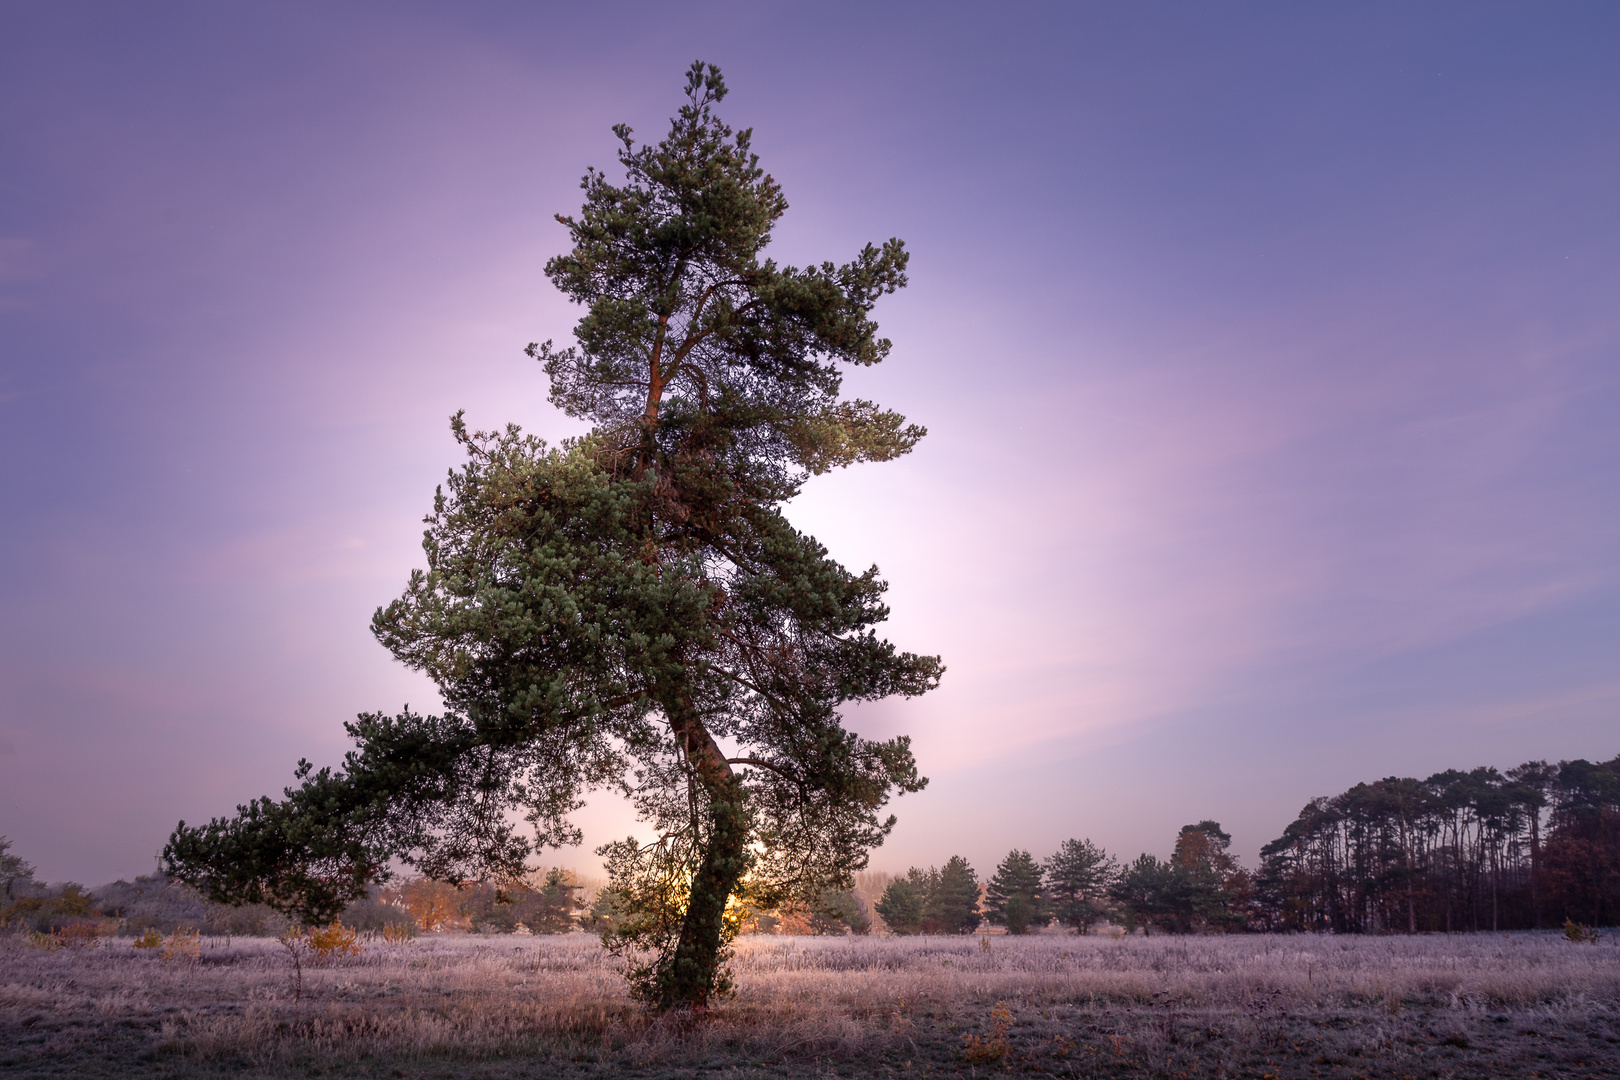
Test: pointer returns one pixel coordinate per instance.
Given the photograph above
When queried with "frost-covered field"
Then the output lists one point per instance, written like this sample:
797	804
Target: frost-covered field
1481	1005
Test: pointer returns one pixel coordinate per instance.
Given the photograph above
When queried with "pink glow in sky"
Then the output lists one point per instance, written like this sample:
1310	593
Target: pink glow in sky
1270	357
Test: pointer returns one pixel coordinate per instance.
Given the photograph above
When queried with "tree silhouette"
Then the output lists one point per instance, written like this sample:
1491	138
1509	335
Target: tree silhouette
631	608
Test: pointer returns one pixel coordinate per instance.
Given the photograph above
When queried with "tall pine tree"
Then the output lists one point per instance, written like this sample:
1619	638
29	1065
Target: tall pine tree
631	608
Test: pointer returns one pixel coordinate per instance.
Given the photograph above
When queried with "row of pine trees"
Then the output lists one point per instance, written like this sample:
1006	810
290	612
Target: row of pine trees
1537	846
1200	888
1532	847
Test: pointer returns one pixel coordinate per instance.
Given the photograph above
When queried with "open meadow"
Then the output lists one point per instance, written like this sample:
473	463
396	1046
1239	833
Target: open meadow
466	1005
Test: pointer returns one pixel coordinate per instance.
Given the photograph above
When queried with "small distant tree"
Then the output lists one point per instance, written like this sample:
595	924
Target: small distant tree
15	875
1145	893
839	911
1212	889
1078	878
431	903
953	901
905	901
1016	897
553	906
606	912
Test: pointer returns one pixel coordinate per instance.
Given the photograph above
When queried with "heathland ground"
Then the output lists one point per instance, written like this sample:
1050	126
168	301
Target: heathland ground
1485	1005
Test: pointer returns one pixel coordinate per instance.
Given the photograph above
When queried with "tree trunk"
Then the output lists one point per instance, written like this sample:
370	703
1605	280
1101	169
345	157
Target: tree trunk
1535	860
694	974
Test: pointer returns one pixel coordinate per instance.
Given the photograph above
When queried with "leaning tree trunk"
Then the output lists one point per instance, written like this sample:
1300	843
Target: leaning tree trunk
694	974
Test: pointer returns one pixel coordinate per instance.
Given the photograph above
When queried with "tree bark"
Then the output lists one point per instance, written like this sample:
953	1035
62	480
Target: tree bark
694	974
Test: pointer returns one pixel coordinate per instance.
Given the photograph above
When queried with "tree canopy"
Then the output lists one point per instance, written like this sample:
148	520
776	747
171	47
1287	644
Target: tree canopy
631	608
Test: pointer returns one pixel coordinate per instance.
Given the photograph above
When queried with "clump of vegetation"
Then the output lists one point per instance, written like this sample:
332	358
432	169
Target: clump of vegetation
182	946
398	933
942	900
334	942
543	903
50	910
153	902
1579	933
991	1048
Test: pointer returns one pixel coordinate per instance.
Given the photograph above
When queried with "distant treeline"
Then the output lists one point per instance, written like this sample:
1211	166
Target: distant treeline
1201	888
1537	846
1480	850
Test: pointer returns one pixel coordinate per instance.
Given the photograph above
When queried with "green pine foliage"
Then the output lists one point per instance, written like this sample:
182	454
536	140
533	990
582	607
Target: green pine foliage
904	902
1213	888
1016	896
1078	877
615	610
554	907
1201	888
840	911
953	901
549	905
1145	893
943	900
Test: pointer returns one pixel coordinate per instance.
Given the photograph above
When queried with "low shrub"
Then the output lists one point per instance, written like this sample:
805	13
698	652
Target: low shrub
182	946
1580	933
333	942
49	912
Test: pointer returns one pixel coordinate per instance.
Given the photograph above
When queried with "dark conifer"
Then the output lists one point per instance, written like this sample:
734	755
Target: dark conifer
904	902
1078	877
1016	897
953	901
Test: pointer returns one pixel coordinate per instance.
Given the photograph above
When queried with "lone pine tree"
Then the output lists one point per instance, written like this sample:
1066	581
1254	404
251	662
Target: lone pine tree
631	608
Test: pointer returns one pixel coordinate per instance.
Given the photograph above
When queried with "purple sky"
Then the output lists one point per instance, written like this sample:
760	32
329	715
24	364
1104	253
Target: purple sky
1270	356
